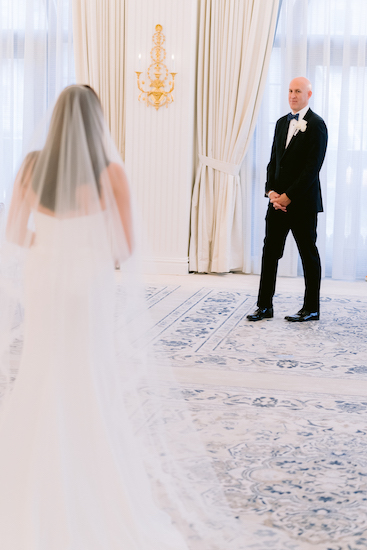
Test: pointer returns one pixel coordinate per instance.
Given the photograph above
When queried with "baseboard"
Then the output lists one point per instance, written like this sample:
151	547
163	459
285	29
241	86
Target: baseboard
166	266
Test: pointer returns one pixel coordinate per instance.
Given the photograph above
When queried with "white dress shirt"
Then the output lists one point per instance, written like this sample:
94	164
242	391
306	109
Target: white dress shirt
293	122
292	129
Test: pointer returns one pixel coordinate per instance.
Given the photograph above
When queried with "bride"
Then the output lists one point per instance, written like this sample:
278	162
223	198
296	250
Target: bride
88	460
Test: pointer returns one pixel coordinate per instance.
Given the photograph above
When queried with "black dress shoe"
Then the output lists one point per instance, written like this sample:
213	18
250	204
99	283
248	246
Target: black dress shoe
261	313
303	315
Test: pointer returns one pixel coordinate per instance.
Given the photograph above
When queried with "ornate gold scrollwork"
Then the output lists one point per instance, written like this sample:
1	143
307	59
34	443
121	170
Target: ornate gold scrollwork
157	96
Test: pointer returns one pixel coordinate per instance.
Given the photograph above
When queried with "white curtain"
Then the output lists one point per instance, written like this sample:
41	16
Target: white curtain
326	42
99	43
235	41
36	62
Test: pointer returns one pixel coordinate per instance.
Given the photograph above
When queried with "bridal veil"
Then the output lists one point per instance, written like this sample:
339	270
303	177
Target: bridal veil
90	458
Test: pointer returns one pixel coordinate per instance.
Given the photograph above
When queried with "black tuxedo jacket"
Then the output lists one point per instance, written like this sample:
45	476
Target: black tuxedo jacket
295	170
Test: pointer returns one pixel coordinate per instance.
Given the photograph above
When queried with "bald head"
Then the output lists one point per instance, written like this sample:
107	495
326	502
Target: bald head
300	91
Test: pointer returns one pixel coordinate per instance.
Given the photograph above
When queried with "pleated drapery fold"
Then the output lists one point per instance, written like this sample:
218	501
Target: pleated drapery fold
235	42
99	46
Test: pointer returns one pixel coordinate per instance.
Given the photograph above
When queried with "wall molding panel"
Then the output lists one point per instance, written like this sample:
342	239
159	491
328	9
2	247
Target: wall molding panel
159	152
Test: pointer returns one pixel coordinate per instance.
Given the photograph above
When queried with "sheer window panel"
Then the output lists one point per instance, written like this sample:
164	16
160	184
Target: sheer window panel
11	119
326	42
36	63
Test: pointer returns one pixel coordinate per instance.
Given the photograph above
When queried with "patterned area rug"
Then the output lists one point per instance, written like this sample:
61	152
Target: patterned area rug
292	464
209	329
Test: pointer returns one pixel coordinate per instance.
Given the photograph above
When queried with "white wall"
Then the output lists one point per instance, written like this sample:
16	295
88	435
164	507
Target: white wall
159	152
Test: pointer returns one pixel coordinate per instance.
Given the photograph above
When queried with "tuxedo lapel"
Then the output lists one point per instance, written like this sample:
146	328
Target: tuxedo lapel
293	138
283	131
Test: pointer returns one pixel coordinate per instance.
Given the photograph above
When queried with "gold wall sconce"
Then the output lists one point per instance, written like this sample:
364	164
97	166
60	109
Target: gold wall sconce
157	96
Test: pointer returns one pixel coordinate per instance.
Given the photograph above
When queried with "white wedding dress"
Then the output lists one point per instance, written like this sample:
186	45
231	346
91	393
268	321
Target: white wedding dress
71	477
98	449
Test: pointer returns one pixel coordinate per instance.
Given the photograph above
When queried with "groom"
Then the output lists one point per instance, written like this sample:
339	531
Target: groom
293	187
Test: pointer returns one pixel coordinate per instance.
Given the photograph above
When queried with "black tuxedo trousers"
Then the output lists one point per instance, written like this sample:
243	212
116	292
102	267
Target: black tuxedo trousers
303	227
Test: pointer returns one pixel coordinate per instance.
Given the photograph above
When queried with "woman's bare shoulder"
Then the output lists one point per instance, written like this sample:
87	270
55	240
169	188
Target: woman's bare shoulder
28	163
24	176
114	169
30	160
33	155
116	174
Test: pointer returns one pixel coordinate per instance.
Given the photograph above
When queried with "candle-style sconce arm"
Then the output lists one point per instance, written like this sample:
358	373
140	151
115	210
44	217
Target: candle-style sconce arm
172	83
157	96
138	73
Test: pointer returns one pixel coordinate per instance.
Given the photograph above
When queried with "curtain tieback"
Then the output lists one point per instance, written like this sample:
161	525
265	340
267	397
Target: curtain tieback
226	167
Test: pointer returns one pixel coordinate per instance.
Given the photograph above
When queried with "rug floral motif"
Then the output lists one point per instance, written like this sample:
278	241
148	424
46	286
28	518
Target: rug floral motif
293	467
